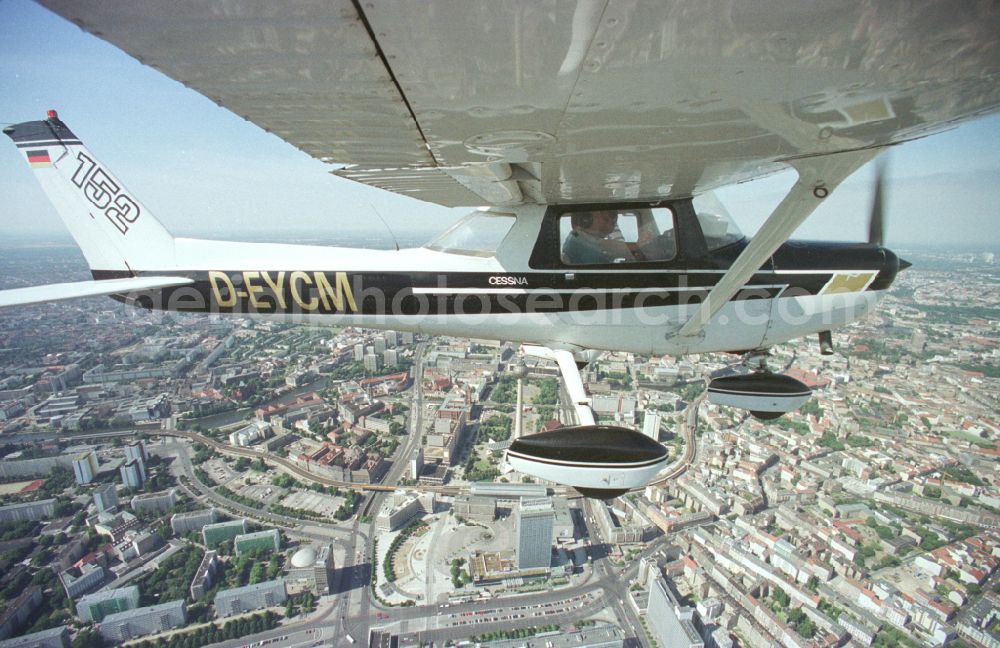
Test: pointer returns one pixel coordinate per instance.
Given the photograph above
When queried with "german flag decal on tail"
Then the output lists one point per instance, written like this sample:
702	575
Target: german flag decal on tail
39	159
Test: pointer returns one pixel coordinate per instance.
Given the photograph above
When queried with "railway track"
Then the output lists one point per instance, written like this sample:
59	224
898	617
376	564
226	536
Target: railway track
687	429
294	468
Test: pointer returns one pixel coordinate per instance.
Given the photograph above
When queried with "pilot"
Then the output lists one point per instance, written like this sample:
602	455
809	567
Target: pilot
592	240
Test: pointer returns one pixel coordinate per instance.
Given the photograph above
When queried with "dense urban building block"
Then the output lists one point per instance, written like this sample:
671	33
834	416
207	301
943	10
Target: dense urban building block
85	467
672	624
106	498
133	474
477	508
533	519
19	611
214	534
252	597
205	577
156	502
122	626
400	508
51	638
31	511
313	565
94	607
77	581
181	523
136	450
268	540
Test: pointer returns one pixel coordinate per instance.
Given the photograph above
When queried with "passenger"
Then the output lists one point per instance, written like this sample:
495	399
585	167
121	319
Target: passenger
591	239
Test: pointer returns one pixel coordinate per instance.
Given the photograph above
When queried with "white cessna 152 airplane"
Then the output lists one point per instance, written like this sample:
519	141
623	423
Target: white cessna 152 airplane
593	130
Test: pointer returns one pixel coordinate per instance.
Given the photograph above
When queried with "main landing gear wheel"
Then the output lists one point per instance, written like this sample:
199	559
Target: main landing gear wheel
764	394
600	461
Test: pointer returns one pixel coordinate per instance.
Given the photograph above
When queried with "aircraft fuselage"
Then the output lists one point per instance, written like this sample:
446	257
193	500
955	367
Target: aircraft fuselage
627	276
806	287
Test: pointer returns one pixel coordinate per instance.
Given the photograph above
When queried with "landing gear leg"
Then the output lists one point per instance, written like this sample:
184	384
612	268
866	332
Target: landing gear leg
568	367
600	461
756	360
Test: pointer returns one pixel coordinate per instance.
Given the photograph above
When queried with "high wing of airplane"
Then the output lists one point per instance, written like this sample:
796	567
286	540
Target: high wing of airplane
592	131
569	101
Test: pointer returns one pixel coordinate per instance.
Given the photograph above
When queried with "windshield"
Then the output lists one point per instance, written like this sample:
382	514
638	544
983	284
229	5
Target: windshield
478	234
716	224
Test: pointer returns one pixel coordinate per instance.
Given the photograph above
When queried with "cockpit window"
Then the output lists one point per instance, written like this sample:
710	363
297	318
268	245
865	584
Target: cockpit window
604	236
478	234
716	223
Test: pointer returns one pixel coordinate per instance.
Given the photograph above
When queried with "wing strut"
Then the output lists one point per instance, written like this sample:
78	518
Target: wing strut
571	375
818	176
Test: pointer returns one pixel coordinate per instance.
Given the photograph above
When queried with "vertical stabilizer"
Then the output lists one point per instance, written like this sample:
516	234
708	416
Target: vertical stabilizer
115	232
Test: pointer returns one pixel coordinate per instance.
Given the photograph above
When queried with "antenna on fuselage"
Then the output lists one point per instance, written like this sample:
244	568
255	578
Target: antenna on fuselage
386	226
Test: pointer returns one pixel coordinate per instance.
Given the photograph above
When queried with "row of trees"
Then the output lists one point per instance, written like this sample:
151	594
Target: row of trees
478	470
243	464
548	392
304	603
829	440
202	453
388	570
19	529
505	391
692	391
288	511
884	532
348	371
236	497
171	579
58	480
459	576
56	608
520	633
252	567
780	602
346	509
285	480
495	427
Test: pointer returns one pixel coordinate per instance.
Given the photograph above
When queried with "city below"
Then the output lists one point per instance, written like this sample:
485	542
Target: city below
175	480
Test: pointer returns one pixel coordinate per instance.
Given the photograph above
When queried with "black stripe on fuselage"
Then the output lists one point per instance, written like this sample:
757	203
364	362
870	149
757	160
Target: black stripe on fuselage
494	281
733	392
429	293
587	464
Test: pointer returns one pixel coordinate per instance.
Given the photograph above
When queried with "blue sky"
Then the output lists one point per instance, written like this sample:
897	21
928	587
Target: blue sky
204	171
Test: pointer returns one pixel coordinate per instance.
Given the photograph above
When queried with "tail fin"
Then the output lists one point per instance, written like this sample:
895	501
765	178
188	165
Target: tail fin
115	232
